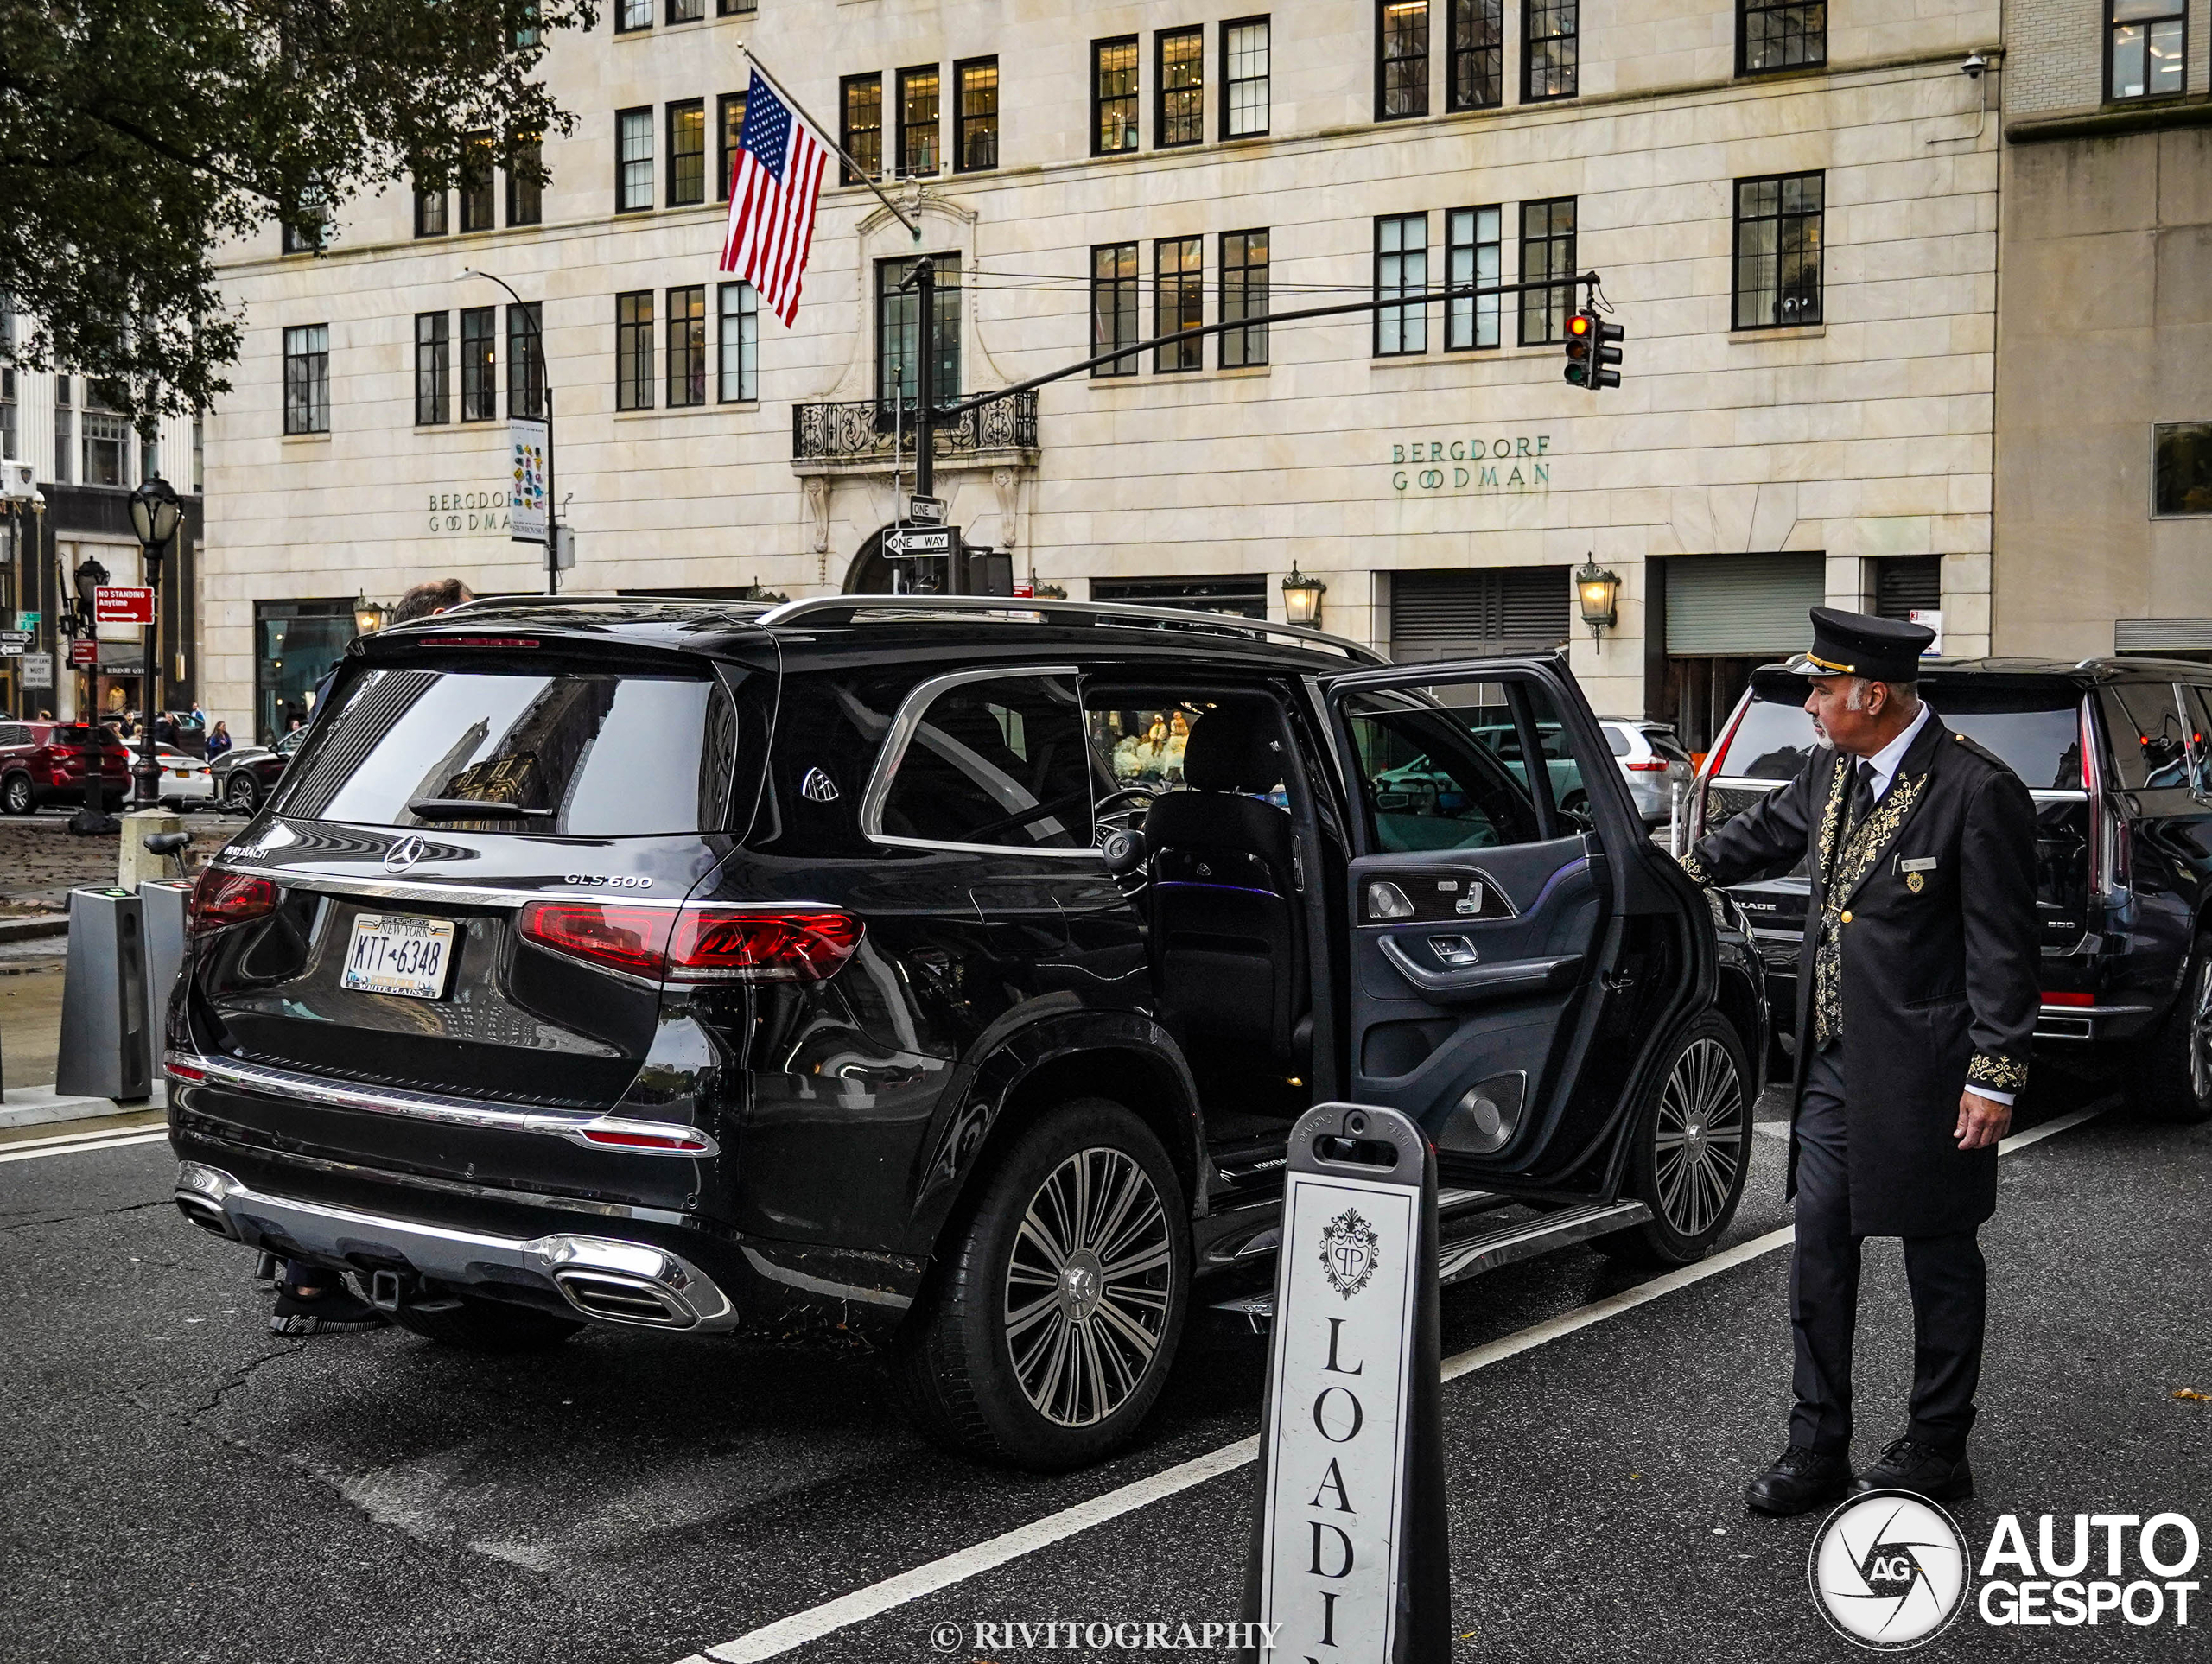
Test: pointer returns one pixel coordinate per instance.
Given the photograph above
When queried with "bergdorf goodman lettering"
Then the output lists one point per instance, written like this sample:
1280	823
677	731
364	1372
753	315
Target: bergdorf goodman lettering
468	510
1509	462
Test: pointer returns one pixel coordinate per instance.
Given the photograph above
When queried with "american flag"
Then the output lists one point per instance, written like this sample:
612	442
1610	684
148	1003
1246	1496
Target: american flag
773	186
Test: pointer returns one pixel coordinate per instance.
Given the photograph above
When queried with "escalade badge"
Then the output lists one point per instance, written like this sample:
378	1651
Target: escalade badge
818	787
1348	1252
404	854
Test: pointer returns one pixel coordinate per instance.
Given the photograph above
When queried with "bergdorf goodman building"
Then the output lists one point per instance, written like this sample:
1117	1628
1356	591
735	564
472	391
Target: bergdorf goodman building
1793	208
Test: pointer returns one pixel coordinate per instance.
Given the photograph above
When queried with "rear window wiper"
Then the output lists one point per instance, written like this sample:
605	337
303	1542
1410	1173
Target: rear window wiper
470	809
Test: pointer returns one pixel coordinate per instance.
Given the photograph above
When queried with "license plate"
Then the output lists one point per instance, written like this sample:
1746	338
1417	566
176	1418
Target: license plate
398	953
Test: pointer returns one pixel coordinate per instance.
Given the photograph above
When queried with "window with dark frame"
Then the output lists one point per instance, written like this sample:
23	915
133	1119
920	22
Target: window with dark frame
479	356
526	197
1551	49
526	361
860	125
633	160
687	346
739	346
1772	35
2146	52
686	11
307	384
1180	71
1114	95
1243	295
729	120
476	182
2181	467
1401	58
630	16
433	368
1779	233
919	110
1474	256
1178	301
1547	257
1475	78
687	153
430	213
62	414
736	8
634	351
975	83
1400	268
1114	307
898	330
1246	77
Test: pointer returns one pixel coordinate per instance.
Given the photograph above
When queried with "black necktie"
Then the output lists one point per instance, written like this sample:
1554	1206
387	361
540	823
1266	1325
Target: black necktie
1862	794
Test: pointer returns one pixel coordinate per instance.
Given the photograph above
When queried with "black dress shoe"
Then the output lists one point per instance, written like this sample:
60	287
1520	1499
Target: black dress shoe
1908	1465
1799	1480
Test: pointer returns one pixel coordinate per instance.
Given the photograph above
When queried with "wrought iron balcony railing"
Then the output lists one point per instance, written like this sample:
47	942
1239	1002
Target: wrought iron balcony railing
863	430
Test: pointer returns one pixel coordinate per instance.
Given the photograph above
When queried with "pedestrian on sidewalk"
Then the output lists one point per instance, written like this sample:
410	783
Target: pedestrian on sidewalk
219	741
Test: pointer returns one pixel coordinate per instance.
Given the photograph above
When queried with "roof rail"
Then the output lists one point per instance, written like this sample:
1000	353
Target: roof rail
481	603
823	609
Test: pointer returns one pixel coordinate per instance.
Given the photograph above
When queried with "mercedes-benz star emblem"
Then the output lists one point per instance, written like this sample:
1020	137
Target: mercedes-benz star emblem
404	854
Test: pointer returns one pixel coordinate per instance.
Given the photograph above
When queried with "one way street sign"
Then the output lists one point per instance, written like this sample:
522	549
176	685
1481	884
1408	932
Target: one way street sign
939	541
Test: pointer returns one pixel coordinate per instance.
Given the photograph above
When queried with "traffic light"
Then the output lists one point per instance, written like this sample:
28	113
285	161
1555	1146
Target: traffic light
1590	351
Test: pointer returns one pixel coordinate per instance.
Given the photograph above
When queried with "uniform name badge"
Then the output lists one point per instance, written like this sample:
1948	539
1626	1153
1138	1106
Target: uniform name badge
1916	871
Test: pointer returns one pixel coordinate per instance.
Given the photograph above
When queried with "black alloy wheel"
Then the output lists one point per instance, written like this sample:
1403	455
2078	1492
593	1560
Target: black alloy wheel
16	796
1692	1150
241	795
2171	1077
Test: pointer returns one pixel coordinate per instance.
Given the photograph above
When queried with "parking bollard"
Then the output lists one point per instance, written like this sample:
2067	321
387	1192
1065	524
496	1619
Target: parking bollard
106	1051
162	904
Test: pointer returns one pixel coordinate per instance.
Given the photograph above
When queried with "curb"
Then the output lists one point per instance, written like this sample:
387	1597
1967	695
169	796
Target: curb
41	1106
39	924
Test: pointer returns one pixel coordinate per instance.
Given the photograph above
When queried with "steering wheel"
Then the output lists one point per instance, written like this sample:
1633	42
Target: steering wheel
1130	816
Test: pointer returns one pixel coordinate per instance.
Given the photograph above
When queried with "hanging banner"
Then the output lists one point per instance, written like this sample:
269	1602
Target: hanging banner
528	442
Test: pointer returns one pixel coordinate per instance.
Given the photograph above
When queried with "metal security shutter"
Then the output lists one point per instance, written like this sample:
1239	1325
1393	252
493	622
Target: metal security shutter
1517	609
1904	584
1742	605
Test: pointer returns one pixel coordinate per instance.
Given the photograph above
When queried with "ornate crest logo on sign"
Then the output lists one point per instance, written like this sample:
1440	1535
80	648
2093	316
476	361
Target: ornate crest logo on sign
1350	1253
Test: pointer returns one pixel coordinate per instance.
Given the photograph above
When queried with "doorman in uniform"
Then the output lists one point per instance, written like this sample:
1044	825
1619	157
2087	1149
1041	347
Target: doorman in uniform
1916	996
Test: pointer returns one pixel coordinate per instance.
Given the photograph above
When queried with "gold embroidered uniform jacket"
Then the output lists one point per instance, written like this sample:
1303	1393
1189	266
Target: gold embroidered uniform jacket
1920	954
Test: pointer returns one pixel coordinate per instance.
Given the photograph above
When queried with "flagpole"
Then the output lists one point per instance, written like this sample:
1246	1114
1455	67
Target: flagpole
859	172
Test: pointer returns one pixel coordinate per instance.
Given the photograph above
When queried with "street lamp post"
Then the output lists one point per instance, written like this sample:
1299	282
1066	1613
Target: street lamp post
93	817
155	512
545	375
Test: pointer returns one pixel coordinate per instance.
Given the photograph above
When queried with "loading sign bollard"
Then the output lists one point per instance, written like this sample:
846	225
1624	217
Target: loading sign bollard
105	1050
1351	1557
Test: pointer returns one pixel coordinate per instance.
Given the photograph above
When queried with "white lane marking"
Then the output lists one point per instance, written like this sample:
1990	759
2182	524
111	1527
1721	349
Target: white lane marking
773	1640
82	1142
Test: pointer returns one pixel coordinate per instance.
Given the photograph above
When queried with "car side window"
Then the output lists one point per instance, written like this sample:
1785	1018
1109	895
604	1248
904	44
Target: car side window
2149	746
14	734
2196	705
1570	793
995	760
1431	776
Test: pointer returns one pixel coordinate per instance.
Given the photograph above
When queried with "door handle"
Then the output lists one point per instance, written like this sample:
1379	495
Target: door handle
1509	976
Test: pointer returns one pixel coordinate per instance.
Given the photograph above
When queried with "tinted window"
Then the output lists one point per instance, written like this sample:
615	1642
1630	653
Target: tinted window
605	756
996	761
15	735
2196	706
2038	735
1617	739
1772	742
1434	776
1666	746
2148	749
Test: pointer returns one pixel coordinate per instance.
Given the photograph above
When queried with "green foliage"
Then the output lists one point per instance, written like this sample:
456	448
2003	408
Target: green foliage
137	136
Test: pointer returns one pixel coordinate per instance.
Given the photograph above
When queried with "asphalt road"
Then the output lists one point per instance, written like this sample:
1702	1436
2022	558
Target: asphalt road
177	1485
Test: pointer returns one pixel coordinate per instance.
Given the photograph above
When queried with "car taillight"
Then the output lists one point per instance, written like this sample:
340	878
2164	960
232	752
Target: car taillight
221	900
1656	766
673	1142
696	944
2052	998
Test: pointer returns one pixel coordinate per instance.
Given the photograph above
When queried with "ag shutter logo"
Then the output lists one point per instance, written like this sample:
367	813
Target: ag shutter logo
1889	1571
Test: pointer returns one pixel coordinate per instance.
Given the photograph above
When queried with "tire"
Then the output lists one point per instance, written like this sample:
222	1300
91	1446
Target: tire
2172	1078
489	1326
17	797
1692	1146
241	793
985	1363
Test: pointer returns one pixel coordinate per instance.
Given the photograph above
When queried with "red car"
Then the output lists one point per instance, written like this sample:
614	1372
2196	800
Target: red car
43	762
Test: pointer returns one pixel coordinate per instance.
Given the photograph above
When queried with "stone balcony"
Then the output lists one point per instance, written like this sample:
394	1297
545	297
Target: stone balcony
857	437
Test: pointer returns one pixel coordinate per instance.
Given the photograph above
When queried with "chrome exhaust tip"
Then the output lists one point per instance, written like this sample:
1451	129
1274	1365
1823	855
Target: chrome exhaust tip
208	1217
613	1298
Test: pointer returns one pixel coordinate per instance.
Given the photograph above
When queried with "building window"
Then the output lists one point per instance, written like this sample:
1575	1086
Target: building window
1245	78
1478	48
1243	295
1778	251
479	364
633	160
730	119
898	330
1114	307
634	351
1179	301
526	196
1546	256
1114	95
62	471
687	346
1400	268
199	452
740	345
150	454
687	153
476	182
736	8
526	361
2181	467
630	15
686	11
306	380
2149	43
1401	59
1473	238
1181	117
1773	34
1551	49
107	445
977	81
430	213
9	427
862	126
918	122
433	368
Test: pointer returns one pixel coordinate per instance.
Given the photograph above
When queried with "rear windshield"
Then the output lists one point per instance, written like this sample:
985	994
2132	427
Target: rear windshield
2038	734
594	755
77	734
1770	743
